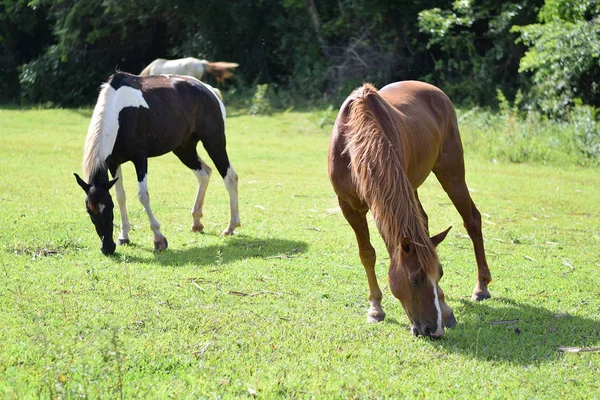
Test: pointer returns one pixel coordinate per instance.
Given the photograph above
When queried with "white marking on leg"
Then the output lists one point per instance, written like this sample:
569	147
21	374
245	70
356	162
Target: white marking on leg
231	183
144	197
120	192
104	125
203	176
440	329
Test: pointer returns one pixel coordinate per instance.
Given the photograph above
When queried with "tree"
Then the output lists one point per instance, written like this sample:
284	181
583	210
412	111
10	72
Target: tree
25	32
474	49
563	55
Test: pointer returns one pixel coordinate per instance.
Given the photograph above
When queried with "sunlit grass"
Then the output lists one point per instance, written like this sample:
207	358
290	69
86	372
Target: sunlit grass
280	308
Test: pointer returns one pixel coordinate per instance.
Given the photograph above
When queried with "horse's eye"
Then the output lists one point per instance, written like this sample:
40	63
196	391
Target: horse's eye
415	279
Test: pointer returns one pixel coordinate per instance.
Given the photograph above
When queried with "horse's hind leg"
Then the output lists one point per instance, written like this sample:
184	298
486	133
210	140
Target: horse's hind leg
189	157
215	147
358	222
451	174
120	191
231	183
203	176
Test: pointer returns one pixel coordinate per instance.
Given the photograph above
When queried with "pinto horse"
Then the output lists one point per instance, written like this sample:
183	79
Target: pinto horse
383	146
191	66
139	117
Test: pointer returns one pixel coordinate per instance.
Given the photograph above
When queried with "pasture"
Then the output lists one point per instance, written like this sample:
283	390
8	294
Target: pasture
279	309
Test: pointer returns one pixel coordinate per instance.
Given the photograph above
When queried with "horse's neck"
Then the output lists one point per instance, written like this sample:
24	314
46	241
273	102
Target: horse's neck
409	222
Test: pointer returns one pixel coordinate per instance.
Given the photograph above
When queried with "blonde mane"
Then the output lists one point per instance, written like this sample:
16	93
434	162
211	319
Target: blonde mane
92	151
375	148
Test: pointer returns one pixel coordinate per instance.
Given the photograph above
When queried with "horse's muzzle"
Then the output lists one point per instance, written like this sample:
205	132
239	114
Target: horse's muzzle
427	330
108	248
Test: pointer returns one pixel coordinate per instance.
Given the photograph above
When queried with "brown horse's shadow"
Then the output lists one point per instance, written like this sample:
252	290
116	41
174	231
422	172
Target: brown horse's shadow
232	249
502	329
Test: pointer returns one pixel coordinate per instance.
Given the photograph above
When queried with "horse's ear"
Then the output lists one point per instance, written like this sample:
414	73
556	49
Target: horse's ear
406	245
86	187
110	184
437	239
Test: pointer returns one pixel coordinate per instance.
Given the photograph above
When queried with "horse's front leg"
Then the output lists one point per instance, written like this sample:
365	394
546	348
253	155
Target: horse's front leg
120	191
141	166
358	222
231	183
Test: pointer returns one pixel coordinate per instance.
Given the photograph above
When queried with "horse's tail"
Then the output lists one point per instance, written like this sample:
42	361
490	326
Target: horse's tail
148	69
376	161
221	70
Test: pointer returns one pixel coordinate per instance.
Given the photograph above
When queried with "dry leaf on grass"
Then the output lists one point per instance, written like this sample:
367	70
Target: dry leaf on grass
242	294
578	349
504	322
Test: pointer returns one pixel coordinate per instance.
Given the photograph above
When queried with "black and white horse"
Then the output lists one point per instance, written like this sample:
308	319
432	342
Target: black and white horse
137	117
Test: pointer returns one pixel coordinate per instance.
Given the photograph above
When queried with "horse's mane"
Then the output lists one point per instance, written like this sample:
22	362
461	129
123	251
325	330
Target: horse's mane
377	165
93	159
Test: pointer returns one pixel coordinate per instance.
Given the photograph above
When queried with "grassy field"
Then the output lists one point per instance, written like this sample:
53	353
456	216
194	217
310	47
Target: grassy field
279	310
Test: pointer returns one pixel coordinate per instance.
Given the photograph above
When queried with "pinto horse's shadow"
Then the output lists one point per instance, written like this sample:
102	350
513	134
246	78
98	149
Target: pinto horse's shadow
232	249
502	329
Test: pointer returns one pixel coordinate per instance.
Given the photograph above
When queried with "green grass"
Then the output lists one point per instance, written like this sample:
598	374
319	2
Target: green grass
175	325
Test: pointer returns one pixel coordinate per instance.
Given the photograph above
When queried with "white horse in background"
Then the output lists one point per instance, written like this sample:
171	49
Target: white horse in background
191	66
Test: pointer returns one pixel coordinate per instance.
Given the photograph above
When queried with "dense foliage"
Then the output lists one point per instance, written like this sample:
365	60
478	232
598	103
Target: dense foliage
58	51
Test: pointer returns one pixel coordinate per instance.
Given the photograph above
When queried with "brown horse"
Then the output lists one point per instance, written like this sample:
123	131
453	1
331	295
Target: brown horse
383	146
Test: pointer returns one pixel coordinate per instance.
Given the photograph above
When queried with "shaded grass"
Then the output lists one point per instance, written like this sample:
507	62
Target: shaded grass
176	324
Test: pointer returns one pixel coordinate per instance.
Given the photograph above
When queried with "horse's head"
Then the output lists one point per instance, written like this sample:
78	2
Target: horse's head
99	206
416	286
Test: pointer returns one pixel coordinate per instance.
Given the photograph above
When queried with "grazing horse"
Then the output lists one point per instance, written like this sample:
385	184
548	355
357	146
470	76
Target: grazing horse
139	117
383	146
191	66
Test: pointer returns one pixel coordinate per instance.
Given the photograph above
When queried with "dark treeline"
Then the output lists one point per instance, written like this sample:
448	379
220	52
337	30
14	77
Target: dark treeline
546	54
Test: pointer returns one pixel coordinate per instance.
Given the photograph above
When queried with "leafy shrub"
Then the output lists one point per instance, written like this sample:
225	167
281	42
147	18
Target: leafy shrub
531	137
563	55
260	101
52	80
584	121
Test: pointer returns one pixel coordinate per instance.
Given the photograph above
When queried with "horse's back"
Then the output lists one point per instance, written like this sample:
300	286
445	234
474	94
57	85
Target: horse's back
178	108
423	119
420	99
182	66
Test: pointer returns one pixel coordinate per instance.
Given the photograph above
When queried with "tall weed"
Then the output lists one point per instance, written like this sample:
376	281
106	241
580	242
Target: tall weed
521	137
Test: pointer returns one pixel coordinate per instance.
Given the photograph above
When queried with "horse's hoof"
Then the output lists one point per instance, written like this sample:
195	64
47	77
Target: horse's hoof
375	317
123	242
450	322
161	244
197	228
479	295
228	232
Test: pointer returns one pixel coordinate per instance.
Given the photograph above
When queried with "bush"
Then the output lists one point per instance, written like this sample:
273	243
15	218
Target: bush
52	81
531	137
584	122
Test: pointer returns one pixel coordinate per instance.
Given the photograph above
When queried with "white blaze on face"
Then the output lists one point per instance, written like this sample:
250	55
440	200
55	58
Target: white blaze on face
436	302
101	207
117	100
